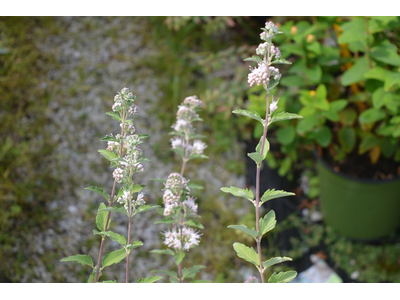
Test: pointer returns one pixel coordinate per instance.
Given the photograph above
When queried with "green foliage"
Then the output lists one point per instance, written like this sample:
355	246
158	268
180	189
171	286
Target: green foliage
267	223
81	259
282	277
244	193
150	279
252	232
113	257
345	89
273	194
101	218
247	253
98	191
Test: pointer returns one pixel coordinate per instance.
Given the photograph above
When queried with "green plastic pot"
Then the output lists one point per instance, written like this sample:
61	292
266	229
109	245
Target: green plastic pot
358	208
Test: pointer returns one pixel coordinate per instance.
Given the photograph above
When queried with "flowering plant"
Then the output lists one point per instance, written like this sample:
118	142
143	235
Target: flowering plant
180	208
269	77
124	154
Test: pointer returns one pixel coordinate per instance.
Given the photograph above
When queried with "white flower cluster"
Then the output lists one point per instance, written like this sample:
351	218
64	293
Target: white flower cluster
174	187
126	198
118	174
269	34
273	106
275	51
188	238
121	98
190	206
260	75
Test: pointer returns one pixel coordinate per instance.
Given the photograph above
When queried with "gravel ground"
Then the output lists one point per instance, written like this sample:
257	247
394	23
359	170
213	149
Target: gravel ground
98	57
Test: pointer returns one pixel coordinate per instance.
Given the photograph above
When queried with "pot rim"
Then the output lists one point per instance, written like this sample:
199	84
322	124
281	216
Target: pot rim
347	176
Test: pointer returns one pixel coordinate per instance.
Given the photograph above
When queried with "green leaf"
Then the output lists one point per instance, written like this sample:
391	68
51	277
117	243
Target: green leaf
379	98
244	193
267	223
98	191
371	115
134	245
194	156
246	253
252	232
150	279
200	281
286	135
179	152
92	276
323	136
166	251
281	61
377	73
169	273
178	257
144	208
256	157
113	257
101	218
392	79
273	261
367	143
348	116
194	224
265	150
285	166
136	188
254	58
282	116
191	272
81	259
251	114
388	146
168	220
108	138
293	80
387	55
355	73
115	209
347	138
353	31
143	136
282	277
108	154
110	281
120	239
272	194
114	115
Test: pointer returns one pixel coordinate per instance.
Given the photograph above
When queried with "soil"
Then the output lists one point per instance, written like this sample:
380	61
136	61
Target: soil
359	166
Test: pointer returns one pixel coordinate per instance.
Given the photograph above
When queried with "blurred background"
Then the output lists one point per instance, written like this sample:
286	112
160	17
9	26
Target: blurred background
58	78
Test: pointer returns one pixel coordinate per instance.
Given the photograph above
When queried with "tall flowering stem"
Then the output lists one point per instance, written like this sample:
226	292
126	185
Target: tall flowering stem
125	156
180	208
268	76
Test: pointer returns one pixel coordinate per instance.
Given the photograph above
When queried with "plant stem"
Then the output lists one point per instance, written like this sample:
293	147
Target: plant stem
109	213
129	236
258	180
180	214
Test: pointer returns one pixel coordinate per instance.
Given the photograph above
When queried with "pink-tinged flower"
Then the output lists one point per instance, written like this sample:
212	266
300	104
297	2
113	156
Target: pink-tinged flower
190	205
179	124
177	142
140	199
118	174
273	106
198	147
173	239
